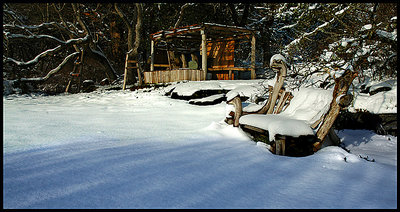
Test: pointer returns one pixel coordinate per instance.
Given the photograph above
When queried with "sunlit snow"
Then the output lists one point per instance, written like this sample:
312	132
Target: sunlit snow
123	149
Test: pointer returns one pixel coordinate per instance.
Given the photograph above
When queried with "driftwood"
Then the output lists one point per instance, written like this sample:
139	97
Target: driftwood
340	100
325	133
278	98
238	110
281	68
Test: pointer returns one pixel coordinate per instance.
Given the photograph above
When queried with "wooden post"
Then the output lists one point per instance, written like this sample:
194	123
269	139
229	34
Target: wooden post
152	56
204	51
126	71
253	57
280	145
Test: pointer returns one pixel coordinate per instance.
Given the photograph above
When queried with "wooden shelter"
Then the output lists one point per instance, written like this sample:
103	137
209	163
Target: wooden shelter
198	52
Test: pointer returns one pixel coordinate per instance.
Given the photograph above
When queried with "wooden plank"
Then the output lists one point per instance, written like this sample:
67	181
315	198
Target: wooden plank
203	51
152	56
255	129
147	77
227	28
253	57
186	74
229	69
125	72
161	65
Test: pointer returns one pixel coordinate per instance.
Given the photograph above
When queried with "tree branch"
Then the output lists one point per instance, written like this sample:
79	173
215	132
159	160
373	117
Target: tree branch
53	71
234	13
48	52
181	14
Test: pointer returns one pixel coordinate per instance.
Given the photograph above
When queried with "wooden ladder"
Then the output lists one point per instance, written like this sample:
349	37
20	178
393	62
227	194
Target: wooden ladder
128	65
76	75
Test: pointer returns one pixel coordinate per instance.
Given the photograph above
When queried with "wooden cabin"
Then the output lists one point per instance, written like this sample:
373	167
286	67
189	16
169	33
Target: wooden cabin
198	52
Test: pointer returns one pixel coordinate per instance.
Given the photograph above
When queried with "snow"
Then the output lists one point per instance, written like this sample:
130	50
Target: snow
388	35
382	102
244	88
388	83
277	57
252	107
366	27
189	88
277	124
342	11
312	6
307	106
230	95
207	99
142	149
368	144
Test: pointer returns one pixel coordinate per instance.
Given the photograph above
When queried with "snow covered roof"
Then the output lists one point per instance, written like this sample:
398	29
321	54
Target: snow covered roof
213	31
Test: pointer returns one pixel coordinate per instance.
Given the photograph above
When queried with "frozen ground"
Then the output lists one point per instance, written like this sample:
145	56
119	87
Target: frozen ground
120	149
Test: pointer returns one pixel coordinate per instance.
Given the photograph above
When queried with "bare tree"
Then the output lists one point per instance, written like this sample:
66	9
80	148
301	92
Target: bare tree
133	41
48	41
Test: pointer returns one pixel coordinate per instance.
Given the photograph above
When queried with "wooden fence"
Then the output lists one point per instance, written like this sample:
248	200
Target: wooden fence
164	76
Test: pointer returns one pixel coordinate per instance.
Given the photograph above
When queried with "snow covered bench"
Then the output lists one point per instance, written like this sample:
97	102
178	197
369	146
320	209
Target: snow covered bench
298	120
306	122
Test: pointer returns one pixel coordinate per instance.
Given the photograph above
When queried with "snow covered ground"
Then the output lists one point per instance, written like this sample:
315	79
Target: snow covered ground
123	149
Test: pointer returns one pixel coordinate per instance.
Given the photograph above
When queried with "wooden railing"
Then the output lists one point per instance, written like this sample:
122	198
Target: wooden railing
165	76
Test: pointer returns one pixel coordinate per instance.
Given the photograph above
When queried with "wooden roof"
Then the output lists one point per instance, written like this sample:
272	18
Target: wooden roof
213	31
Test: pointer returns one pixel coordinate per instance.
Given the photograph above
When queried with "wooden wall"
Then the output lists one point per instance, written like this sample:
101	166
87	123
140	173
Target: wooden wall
164	76
222	53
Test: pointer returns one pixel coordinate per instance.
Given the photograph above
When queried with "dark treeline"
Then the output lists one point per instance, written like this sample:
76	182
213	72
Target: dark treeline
42	41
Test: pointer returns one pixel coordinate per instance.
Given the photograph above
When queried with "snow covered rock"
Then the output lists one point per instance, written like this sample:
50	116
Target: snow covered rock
209	100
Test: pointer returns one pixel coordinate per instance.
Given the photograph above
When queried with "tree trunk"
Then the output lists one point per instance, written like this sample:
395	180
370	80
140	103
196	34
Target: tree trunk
127	25
133	47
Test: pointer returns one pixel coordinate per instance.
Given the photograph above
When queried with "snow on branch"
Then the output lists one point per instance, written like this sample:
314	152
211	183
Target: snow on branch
49	51
40	26
305	35
30	27
319	28
53	71
20	36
